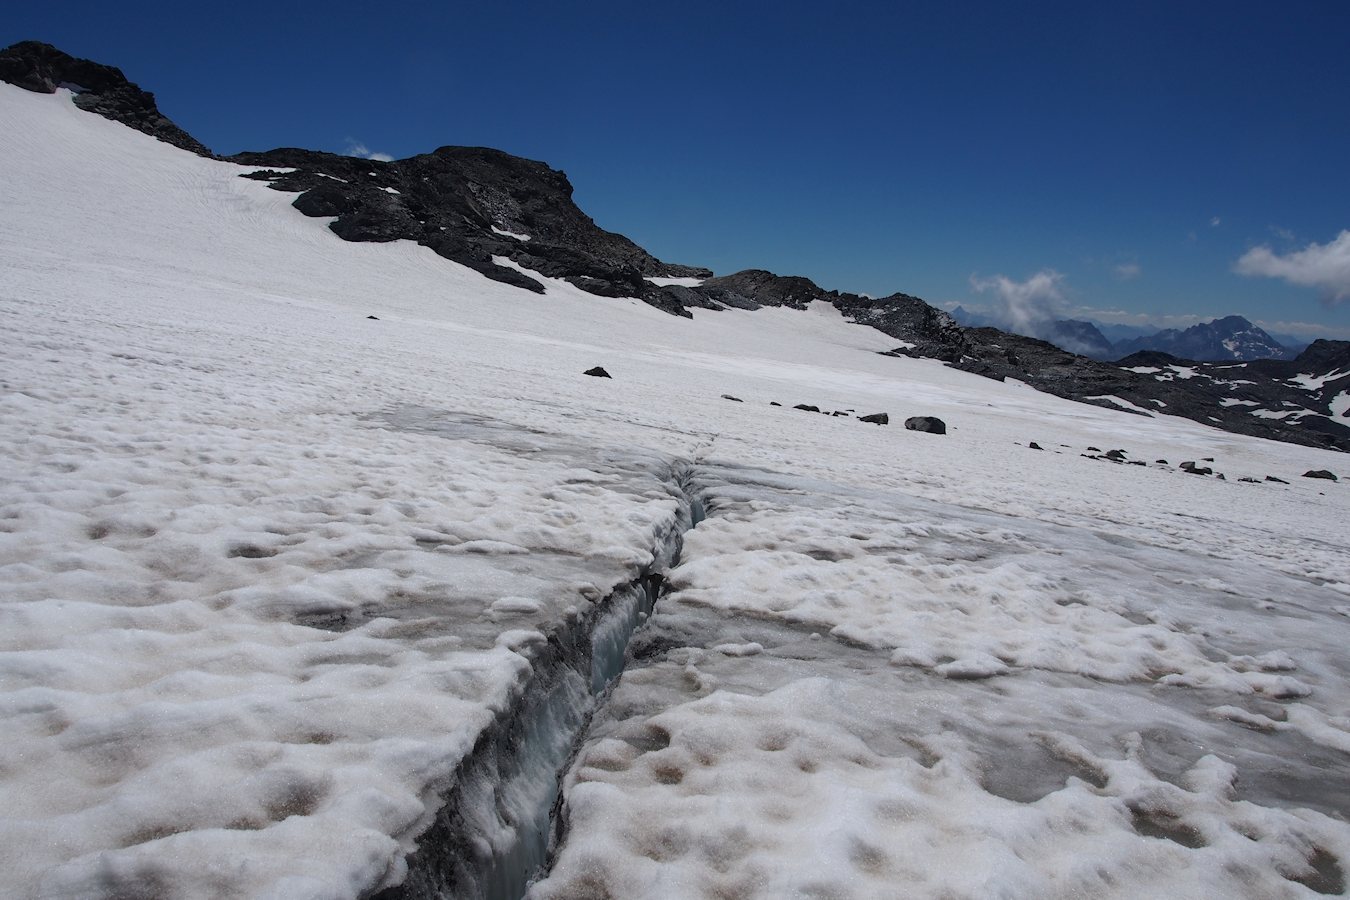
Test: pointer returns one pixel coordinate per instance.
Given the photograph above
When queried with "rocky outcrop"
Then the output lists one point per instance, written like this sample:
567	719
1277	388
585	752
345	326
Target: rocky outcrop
478	207
100	89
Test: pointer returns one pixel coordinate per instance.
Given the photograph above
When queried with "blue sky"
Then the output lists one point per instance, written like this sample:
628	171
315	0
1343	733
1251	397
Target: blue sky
1168	161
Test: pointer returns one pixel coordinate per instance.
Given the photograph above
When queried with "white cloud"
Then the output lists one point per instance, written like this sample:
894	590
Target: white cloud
1128	271
1024	306
356	148
1322	266
1215	222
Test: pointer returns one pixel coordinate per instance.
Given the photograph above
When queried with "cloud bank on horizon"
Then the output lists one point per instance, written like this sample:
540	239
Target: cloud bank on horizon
1322	266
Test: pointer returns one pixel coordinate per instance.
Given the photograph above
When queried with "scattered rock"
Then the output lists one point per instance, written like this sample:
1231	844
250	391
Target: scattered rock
1250	480
1135	462
1196	469
1276	480
1319	473
806	408
1095	449
732	399
1220	477
774	403
930	424
1035	446
376	318
597	372
838	413
876	419
1117	455
1207	459
1161	462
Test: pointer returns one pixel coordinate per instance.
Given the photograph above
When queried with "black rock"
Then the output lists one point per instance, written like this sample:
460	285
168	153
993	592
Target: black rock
1250	480
774	403
838	413
376	318
597	372
1161	462
806	408
1196	469
930	424
475	205
1035	446
731	398
1095	449
1276	480
1319	473
876	419
1117	455
100	89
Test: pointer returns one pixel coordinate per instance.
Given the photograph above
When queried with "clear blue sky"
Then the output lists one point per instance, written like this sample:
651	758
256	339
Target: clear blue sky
1139	150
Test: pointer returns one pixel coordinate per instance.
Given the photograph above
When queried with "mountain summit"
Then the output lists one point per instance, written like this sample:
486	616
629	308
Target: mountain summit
1228	338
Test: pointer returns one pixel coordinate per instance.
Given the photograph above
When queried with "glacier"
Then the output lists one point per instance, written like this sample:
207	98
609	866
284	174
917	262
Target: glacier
301	604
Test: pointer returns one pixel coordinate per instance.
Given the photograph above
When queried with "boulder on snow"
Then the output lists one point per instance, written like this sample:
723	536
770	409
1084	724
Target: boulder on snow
1035	446
732	399
1319	473
806	407
1196	469
930	424
1117	455
597	372
876	419
1276	480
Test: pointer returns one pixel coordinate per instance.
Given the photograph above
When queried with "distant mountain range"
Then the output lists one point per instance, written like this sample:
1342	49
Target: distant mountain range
1230	338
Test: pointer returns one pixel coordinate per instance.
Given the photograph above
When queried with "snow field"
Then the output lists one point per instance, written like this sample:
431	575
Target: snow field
850	694
270	568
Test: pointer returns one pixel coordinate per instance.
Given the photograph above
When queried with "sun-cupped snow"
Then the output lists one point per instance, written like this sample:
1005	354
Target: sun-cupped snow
283	516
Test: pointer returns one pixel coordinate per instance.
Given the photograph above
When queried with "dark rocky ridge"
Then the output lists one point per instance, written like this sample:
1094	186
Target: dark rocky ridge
465	203
460	202
101	89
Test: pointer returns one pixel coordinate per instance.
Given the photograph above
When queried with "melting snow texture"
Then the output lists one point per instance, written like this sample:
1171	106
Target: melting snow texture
271	568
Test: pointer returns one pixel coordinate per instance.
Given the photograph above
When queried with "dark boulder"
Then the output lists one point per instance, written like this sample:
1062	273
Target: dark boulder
732	399
1117	455
806	407
1319	473
597	372
876	419
930	424
1276	480
1196	469
1035	446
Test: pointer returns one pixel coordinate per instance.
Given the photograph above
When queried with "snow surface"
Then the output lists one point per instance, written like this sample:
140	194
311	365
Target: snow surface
667	281
1340	404
510	234
1316	382
270	568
